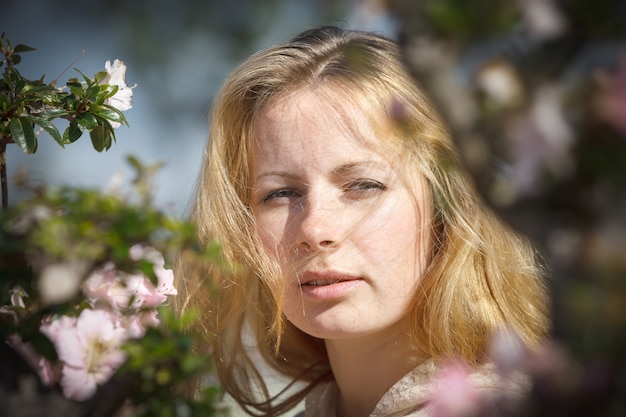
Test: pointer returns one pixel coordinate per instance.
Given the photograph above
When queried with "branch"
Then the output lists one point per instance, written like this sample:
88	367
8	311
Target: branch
3	170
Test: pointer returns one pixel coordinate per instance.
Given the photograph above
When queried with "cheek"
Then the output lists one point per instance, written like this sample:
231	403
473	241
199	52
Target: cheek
395	221
398	234
270	232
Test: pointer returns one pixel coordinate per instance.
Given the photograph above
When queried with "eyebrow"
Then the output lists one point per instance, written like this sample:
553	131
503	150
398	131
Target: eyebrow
283	174
345	168
338	171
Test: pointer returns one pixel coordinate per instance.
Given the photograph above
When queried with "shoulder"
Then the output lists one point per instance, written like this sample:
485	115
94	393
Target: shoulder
477	391
322	401
495	389
445	387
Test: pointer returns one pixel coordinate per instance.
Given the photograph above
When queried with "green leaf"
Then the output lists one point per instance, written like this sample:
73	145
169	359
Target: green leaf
72	133
52	113
77	90
92	92
16	59
4	102
23	134
36	88
99	76
87	79
101	138
23	48
50	128
87	121
107	90
108	112
20	83
73	82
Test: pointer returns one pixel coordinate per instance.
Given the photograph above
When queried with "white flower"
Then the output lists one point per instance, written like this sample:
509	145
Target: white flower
122	99
59	282
543	19
500	81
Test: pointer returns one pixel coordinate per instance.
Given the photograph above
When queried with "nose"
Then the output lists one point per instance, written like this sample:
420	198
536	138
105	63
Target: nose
320	226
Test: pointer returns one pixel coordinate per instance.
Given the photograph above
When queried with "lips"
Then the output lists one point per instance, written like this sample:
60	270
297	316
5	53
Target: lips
328	286
320	282
324	278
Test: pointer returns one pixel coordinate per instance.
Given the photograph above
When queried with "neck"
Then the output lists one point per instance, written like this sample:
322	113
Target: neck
366	368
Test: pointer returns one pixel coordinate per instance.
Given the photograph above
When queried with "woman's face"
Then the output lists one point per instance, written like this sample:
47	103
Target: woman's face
350	236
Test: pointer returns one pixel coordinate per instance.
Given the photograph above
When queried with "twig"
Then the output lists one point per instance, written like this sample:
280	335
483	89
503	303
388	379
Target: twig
3	170
82	53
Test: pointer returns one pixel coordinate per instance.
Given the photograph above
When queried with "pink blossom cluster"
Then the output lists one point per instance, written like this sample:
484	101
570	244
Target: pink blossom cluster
89	345
459	390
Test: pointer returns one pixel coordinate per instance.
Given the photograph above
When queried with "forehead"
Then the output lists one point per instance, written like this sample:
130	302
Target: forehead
319	111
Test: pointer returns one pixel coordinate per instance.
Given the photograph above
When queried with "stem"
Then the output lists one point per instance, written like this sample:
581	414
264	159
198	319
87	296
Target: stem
3	171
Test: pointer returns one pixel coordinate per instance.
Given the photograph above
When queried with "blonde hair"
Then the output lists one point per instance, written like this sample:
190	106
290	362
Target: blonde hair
481	277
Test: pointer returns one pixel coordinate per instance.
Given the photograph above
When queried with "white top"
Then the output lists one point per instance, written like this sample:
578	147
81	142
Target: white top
409	396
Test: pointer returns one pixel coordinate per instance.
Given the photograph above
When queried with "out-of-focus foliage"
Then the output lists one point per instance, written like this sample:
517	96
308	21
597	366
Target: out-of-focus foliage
83	271
58	227
81	230
534	93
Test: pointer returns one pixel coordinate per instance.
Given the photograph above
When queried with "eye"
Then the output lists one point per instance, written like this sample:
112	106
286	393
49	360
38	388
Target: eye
362	186
280	194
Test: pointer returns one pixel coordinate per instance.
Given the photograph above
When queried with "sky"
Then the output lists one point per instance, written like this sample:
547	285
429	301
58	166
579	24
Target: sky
177	54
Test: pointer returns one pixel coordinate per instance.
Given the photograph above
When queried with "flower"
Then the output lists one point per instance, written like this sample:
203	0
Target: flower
501	82
123	292
541	142
89	347
507	352
165	277
454	396
59	282
122	99
609	100
131	292
543	19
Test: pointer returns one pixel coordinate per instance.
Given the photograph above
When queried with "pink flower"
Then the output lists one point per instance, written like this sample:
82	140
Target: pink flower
454	395
507	352
126	292
610	98
165	277
89	347
541	143
137	323
121	291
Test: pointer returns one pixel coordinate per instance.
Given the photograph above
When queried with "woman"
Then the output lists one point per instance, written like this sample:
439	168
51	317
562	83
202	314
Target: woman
363	258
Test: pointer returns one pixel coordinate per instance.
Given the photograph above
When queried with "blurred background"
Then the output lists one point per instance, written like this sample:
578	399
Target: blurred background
533	92
177	53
